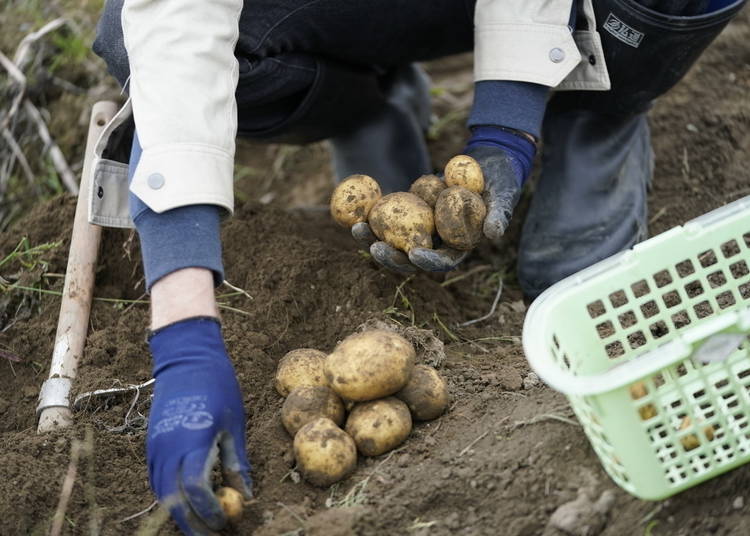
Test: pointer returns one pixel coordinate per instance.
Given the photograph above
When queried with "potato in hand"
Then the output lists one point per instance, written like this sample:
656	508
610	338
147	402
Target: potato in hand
428	188
459	216
403	220
462	170
353	199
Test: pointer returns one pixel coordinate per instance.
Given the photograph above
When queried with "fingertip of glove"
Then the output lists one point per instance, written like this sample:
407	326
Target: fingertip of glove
363	234
240	481
195	485
204	505
493	229
431	260
235	465
183	516
391	258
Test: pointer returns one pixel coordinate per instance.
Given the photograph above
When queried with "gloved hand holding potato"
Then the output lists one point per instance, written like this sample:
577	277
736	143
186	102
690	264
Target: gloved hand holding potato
403	228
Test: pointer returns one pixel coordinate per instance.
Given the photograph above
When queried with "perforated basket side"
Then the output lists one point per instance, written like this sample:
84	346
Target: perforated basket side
689	421
683	425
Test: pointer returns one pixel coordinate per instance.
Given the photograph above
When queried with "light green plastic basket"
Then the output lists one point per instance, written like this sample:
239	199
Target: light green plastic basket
651	348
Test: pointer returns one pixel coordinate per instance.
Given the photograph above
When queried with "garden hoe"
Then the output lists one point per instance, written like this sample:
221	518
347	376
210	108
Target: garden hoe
54	409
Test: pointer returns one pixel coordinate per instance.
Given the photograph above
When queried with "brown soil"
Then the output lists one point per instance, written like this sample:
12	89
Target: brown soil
492	465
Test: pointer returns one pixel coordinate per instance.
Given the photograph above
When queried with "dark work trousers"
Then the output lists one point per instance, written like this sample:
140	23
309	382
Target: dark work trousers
313	69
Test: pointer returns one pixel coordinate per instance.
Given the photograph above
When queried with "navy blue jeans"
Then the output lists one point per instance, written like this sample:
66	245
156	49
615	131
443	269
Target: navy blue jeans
312	69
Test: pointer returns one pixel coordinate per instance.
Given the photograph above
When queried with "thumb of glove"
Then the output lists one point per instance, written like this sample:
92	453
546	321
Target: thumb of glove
502	190
499	212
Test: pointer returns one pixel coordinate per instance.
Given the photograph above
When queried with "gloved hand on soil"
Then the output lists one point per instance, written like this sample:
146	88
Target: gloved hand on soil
506	158
196	417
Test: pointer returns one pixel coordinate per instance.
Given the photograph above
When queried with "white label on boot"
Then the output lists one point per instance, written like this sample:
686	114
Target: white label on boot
622	31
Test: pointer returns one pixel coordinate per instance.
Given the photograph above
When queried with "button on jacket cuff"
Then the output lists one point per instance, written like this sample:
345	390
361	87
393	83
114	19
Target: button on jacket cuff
538	53
183	77
176	175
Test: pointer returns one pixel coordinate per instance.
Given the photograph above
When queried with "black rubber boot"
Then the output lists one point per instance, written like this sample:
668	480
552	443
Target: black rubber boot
591	199
391	147
597	163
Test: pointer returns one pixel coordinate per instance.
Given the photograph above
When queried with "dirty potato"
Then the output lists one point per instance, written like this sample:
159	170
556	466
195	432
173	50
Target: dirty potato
427	188
464	171
379	425
638	390
370	365
307	403
426	394
300	367
691	441
403	220
353	198
324	453
231	502
459	216
647	412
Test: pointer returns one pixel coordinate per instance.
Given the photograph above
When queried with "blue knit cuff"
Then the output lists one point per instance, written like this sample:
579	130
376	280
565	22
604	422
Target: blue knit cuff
520	150
516	105
184	237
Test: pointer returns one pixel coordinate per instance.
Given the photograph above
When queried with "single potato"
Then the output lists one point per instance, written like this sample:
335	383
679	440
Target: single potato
231	502
427	188
353	198
403	220
379	425
459	216
691	441
300	367
324	452
464	171
647	412
307	403
370	365
638	390
426	394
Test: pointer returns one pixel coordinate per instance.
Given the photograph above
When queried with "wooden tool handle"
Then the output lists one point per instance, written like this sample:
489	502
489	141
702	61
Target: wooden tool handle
72	326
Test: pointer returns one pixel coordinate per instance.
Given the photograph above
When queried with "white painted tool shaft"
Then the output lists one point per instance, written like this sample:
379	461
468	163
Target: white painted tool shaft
72	325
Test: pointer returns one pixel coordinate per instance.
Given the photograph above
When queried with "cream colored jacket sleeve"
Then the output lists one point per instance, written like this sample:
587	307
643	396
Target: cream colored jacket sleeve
530	41
182	86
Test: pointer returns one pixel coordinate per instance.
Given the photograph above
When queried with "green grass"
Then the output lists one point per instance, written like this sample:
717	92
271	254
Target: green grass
30	257
401	309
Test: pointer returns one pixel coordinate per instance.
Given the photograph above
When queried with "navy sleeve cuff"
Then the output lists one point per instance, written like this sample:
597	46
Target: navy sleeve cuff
516	105
185	237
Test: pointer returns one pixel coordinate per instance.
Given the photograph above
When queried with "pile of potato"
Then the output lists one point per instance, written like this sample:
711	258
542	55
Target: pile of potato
372	375
453	209
648	411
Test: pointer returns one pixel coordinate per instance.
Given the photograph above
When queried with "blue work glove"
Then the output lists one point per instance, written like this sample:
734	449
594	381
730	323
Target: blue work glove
506	158
196	416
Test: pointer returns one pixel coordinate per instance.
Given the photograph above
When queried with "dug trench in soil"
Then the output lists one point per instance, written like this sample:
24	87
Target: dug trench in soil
504	457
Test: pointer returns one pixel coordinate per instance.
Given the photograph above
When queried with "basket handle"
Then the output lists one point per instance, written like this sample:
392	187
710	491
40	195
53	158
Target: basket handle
711	341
